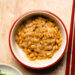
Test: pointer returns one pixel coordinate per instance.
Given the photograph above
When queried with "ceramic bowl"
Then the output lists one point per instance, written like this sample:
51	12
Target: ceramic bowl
20	55
6	69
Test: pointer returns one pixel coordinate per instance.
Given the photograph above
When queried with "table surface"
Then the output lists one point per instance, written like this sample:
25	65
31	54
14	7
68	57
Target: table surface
10	10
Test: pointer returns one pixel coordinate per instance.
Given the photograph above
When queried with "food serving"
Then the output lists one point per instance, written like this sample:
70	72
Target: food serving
39	37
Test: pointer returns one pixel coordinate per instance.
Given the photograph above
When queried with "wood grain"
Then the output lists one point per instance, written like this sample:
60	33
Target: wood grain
10	10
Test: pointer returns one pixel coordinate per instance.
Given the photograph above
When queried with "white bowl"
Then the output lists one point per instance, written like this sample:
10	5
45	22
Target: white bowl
20	55
8	69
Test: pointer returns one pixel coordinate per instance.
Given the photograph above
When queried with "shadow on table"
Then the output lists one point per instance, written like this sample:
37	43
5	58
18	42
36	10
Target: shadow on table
47	70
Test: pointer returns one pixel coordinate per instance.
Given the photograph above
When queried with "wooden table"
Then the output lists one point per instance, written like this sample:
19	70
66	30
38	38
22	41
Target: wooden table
10	10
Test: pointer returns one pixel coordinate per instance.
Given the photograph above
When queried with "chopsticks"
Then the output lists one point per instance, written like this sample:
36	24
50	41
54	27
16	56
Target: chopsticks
73	56
73	53
70	42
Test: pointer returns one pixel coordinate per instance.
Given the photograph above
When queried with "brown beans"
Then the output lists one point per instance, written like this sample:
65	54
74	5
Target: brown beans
39	38
36	40
33	46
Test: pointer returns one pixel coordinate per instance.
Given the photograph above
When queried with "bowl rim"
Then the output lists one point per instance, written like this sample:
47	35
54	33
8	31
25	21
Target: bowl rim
64	48
8	65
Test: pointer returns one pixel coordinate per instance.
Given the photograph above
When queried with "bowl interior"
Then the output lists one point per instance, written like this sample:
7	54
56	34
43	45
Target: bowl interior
21	55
